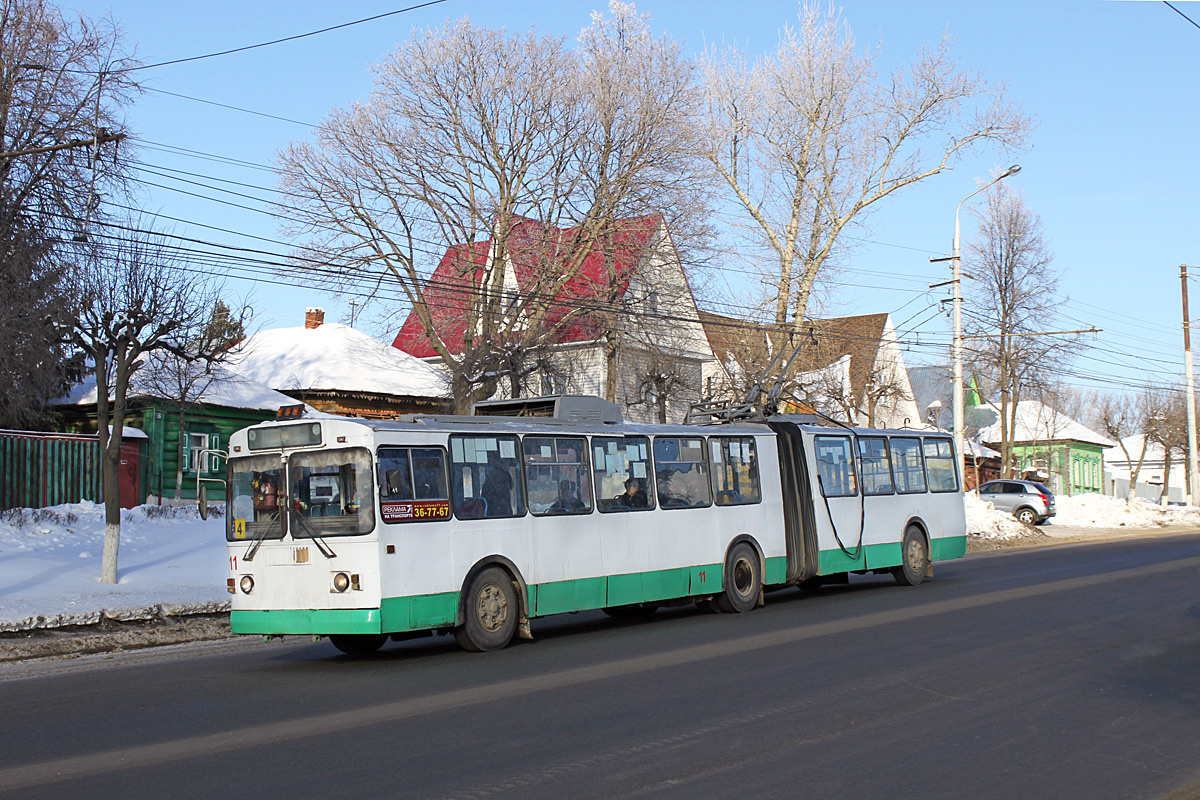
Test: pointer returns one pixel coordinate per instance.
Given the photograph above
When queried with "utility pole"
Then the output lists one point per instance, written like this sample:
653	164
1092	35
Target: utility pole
956	343
1190	389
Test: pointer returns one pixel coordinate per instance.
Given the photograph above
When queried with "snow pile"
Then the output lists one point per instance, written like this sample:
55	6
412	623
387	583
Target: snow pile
985	522
1102	511
170	562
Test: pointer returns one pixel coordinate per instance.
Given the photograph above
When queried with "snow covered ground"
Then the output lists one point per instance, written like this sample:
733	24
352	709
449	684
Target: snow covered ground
1083	511
169	561
172	562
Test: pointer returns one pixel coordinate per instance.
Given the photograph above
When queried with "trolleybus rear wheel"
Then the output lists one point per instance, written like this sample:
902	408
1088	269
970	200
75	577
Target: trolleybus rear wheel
743	580
915	558
490	613
358	644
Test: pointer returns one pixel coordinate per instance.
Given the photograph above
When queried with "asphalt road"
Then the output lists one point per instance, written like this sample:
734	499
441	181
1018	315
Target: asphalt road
1049	673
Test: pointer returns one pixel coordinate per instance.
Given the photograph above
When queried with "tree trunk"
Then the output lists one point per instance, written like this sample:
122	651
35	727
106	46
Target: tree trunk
460	391
1131	495
182	448
109	465
1166	487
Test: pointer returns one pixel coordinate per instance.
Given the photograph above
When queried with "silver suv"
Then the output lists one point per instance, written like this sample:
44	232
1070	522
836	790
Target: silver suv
1031	503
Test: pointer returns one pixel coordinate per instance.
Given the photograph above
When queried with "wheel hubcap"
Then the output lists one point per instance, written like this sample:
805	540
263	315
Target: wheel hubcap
916	555
743	577
492	608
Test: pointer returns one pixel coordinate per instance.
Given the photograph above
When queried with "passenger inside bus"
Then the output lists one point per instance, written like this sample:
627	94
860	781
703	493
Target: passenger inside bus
497	487
568	501
634	496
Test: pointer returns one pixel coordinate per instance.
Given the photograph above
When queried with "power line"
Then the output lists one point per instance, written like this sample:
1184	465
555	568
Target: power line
289	38
231	108
1180	13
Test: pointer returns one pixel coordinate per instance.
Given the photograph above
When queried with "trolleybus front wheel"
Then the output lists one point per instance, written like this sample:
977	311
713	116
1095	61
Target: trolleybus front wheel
915	558
743	580
358	644
490	613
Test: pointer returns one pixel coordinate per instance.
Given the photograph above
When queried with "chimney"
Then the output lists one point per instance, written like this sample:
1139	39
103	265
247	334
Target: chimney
313	317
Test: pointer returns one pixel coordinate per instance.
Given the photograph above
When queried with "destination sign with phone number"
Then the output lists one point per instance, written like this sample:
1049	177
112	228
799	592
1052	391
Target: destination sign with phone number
403	512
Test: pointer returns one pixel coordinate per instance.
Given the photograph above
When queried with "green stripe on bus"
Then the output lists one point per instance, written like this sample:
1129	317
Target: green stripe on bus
419	612
307	621
423	612
776	571
949	547
880	556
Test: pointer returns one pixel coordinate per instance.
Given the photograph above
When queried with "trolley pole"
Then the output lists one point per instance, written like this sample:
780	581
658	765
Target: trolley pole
1190	390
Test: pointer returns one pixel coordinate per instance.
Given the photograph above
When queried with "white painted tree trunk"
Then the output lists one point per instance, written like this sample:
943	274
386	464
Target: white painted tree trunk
108	560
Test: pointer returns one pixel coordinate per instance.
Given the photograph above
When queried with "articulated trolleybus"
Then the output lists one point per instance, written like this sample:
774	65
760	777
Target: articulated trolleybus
362	530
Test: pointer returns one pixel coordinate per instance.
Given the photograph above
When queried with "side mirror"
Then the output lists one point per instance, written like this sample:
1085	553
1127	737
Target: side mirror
202	501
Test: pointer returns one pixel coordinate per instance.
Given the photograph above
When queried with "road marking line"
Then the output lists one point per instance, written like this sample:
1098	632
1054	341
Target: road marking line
76	767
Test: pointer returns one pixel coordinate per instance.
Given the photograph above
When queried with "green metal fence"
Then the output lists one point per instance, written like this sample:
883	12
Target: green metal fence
45	469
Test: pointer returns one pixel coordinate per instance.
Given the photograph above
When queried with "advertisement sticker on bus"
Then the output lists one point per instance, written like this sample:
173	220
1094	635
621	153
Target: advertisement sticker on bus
402	512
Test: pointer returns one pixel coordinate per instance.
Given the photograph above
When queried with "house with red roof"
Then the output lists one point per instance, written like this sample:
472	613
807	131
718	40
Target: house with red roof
616	315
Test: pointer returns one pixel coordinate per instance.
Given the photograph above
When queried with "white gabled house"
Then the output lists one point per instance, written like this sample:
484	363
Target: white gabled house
661	347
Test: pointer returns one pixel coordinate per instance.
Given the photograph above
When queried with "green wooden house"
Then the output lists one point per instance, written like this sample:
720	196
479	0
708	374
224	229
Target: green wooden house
196	434
1049	447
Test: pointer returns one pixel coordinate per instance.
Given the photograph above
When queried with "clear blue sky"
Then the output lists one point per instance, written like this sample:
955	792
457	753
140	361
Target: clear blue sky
1112	170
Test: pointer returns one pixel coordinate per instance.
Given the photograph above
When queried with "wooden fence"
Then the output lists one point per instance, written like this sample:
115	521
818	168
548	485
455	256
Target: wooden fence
45	469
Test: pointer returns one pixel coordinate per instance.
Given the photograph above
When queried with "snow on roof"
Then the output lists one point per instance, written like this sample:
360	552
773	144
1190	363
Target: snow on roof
978	450
1037	422
1154	452
229	390
334	357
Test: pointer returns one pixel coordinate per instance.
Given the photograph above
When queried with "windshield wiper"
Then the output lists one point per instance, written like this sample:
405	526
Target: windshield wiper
325	549
258	540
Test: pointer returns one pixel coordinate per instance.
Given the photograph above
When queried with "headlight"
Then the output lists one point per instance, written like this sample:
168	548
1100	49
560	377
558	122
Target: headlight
341	582
247	584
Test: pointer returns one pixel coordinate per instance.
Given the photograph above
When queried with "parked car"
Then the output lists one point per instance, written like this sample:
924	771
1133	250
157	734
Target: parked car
1030	502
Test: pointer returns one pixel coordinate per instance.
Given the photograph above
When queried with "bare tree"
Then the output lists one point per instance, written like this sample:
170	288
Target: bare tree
1119	417
133	303
658	364
1013	297
1165	424
61	81
811	137
184	380
641	97
476	136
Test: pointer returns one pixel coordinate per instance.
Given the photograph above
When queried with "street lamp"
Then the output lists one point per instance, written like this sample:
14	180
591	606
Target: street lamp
956	342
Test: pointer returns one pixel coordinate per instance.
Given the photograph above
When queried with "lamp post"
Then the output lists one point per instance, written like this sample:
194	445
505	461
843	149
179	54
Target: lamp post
956	342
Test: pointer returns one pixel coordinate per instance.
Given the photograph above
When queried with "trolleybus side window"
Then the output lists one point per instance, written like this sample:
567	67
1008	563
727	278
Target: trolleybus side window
835	466
939	460
734	470
331	493
908	465
485	477
621	467
556	475
256	498
876	465
412	484
681	472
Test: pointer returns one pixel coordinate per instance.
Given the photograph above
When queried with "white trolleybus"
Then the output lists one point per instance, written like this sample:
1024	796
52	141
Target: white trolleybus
362	530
